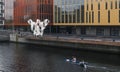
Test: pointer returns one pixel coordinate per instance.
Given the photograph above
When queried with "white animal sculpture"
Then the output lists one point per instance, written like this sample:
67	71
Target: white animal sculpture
42	25
31	23
38	26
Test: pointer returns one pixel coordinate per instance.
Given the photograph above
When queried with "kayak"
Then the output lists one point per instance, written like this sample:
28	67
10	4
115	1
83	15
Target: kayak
80	63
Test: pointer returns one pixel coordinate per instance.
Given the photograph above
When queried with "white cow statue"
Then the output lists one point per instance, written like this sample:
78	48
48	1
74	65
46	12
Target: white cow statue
38	26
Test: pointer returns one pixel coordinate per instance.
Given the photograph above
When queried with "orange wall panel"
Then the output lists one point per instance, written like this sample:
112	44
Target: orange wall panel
34	9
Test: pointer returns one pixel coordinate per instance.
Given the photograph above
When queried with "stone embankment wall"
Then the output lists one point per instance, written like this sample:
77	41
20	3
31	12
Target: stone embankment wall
101	46
4	35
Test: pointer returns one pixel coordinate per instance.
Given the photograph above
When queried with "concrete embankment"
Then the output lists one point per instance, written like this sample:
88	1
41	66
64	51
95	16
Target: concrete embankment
4	35
75	43
4	38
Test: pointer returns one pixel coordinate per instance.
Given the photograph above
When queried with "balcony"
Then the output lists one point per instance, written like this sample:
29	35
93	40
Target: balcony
2	3
2	11
2	18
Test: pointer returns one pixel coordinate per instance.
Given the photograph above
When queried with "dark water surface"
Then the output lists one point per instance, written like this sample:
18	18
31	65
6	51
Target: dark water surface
36	58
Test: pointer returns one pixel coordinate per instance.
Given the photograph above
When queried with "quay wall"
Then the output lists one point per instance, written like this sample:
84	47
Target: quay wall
4	38
4	35
69	43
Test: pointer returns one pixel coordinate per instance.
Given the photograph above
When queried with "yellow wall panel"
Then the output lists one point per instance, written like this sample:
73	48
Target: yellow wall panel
114	13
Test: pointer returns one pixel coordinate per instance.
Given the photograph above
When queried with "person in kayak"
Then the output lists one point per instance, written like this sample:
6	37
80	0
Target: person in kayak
74	60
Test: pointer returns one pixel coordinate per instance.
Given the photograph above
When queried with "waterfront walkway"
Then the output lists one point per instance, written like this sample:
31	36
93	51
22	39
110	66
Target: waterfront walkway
91	40
113	41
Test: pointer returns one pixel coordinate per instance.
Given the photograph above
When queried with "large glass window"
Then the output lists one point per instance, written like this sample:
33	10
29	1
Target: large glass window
100	31
68	11
114	31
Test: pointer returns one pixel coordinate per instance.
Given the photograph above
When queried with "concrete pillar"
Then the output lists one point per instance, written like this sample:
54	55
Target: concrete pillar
106	31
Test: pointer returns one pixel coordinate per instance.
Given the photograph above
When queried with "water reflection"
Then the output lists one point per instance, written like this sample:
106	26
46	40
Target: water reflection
36	58
21	60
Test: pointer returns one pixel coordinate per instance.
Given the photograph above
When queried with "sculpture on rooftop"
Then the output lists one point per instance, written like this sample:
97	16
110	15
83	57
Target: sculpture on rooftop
38	27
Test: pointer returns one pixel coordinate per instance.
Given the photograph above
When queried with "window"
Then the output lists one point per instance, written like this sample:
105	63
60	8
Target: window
92	17
119	4
114	31
100	31
1	22
111	5
87	6
108	16
106	5
98	6
68	11
119	16
89	17
86	17
91	6
98	16
115	4
1	15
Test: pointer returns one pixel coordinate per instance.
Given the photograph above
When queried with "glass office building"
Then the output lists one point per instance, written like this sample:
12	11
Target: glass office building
81	17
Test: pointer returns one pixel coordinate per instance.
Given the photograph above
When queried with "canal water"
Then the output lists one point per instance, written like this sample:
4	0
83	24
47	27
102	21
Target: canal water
37	58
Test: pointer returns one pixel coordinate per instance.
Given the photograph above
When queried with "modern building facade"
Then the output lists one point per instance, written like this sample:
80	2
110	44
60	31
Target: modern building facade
9	9
2	12
34	9
67	12
81	17
103	16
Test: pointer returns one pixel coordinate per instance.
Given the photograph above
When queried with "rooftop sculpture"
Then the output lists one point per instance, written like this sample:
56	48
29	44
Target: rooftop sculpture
38	27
